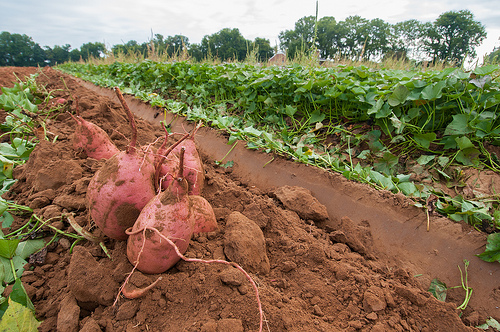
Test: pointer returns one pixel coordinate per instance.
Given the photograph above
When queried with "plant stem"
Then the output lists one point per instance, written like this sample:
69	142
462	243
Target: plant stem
220	161
465	286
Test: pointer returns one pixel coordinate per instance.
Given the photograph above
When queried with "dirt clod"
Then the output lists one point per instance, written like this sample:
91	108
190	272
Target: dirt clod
89	281
69	314
244	244
302	201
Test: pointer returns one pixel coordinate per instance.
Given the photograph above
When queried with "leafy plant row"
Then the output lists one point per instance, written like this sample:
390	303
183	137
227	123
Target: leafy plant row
16	146
353	120
28	106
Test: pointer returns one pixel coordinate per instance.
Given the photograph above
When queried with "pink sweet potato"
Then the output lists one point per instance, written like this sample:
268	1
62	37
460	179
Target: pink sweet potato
118	192
169	213
161	154
91	138
202	215
122	187
193	167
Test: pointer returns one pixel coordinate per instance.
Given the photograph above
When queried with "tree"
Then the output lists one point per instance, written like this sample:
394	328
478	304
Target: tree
131	47
195	52
406	39
377	39
328	36
264	49
20	50
95	50
58	54
454	35
354	34
300	39
225	44
75	55
176	44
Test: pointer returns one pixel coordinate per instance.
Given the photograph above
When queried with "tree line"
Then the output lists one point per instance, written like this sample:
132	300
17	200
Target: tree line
451	38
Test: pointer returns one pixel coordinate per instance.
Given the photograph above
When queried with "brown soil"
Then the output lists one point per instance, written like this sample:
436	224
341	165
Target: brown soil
327	254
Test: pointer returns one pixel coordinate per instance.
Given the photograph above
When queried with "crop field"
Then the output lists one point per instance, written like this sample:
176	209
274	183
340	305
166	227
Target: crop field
381	127
351	198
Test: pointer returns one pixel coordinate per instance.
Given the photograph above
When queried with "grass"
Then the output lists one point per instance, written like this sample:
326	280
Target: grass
302	58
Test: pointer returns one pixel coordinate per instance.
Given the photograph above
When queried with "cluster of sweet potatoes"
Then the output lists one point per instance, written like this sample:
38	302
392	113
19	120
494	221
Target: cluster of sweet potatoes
135	191
150	199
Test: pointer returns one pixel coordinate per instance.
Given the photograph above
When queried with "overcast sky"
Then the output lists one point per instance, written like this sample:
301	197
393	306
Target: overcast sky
60	22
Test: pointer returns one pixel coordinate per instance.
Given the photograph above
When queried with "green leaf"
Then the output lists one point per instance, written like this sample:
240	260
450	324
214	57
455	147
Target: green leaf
398	96
227	165
433	91
398	124
443	174
443	161
373	141
2	278
464	143
458	126
26	248
6	219
252	131
317	116
290	110
306	86
408	188
18	263
425	159
3	207
8	248
18	318
480	82
252	146
485	70
438	289
384	111
20	296
7	271
449	142
425	140
490	322
376	107
492	252
363	154
386	163
382	180
468	157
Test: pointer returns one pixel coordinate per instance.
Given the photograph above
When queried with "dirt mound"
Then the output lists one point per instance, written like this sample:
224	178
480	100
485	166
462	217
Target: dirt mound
312	274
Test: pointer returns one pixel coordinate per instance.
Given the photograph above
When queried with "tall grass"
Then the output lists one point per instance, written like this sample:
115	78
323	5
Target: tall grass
302	57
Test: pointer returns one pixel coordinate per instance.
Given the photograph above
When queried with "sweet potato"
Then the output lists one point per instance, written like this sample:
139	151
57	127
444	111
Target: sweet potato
193	167
202	215
169	213
93	140
161	154
122	187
